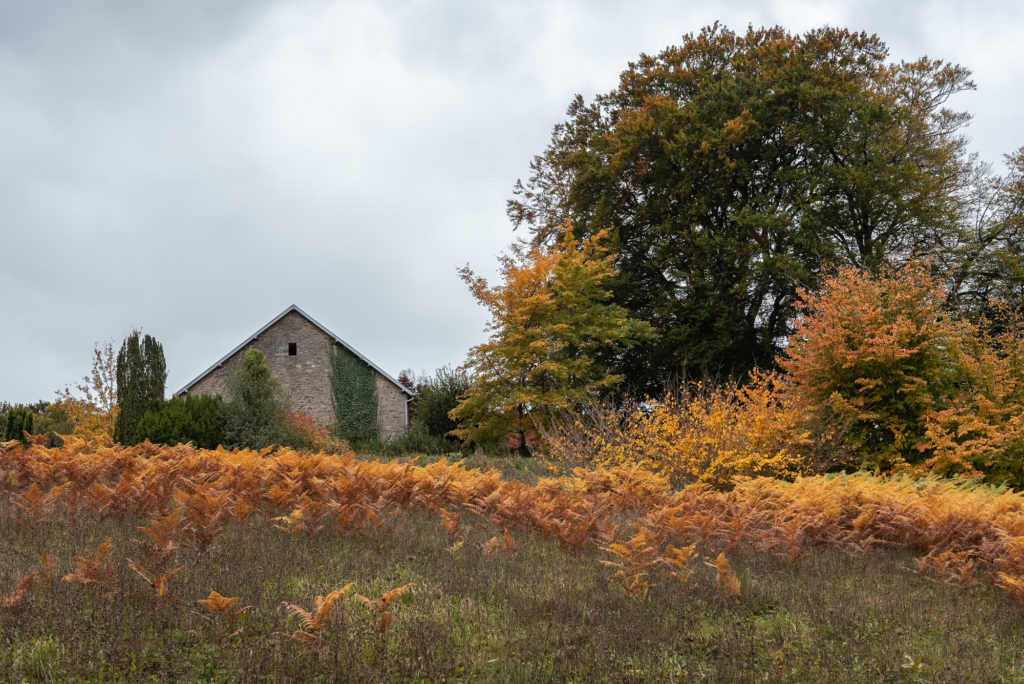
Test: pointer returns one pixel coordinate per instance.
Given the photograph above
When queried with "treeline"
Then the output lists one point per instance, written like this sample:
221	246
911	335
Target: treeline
122	400
794	220
877	376
735	169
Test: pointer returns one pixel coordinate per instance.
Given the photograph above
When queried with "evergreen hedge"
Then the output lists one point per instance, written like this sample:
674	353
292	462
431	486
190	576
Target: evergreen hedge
199	420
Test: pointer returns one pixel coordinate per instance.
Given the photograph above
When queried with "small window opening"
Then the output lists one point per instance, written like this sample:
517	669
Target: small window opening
293	349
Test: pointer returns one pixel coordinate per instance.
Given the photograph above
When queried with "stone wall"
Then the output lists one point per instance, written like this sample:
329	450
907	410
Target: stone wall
306	377
391	409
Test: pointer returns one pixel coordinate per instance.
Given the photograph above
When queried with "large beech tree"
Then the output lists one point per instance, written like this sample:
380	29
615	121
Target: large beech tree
549	316
733	168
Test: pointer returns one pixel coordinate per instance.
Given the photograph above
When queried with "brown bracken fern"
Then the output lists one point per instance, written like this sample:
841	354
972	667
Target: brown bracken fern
16	597
381	605
728	582
313	621
95	569
157	581
223	612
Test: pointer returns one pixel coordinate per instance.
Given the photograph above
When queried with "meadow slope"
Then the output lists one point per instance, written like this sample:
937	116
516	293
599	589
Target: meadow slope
604	575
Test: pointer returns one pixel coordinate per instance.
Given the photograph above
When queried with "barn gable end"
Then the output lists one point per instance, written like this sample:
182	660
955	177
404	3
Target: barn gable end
298	351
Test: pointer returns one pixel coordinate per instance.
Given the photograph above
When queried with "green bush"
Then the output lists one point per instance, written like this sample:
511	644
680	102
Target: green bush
436	396
256	411
199	420
53	420
19	420
43	418
415	441
5	408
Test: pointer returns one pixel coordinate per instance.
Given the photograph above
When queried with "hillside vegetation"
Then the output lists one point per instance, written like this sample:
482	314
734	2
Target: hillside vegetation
344	568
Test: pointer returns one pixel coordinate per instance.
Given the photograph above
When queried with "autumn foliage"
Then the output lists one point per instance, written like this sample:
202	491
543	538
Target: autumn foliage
981	431
879	353
698	433
879	360
958	533
550	317
877	375
93	410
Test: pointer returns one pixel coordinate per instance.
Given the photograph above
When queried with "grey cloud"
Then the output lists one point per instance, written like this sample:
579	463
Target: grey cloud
193	167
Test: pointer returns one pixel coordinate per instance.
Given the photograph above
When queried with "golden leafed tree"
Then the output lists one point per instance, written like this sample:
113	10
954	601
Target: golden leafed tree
551	322
93	411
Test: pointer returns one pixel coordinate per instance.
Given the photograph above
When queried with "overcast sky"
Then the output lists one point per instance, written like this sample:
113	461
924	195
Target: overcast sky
192	168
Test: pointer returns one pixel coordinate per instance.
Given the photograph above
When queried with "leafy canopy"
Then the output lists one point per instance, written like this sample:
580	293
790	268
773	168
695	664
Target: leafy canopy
880	354
733	168
93	413
436	396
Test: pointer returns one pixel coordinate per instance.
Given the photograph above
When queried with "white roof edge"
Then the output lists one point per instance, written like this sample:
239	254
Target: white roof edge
315	322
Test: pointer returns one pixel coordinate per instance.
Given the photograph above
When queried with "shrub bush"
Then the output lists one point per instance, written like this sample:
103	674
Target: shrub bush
199	420
256	410
698	433
19	420
416	440
436	396
304	433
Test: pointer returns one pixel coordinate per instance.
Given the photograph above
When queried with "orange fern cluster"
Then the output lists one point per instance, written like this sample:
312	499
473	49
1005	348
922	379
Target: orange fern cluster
958	532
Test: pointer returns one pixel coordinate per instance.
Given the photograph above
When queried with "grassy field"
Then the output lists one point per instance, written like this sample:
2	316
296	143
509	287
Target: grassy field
535	612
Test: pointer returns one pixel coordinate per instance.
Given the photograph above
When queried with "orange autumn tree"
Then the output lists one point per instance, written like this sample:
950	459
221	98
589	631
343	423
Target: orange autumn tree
550	316
982	429
878	360
878	354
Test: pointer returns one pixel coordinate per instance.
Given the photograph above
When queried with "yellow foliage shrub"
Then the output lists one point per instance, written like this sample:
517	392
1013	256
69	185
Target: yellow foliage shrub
701	433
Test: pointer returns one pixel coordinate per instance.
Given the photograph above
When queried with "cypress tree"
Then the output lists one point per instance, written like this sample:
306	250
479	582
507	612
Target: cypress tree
141	376
155	372
19	421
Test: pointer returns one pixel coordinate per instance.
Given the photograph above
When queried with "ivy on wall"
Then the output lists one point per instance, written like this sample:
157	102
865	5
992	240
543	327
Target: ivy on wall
354	396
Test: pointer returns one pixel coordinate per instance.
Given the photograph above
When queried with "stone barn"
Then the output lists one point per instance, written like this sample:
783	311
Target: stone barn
298	351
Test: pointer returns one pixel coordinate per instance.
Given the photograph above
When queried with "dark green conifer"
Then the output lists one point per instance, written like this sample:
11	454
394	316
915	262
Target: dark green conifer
141	378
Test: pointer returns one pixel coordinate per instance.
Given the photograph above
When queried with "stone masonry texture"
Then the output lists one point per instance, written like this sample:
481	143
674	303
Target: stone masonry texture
306	377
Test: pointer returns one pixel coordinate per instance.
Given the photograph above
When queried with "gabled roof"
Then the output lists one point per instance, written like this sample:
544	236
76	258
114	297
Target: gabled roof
312	320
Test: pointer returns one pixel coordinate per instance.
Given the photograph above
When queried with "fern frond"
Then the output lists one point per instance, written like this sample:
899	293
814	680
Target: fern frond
217	604
16	597
47	563
390	596
298	611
